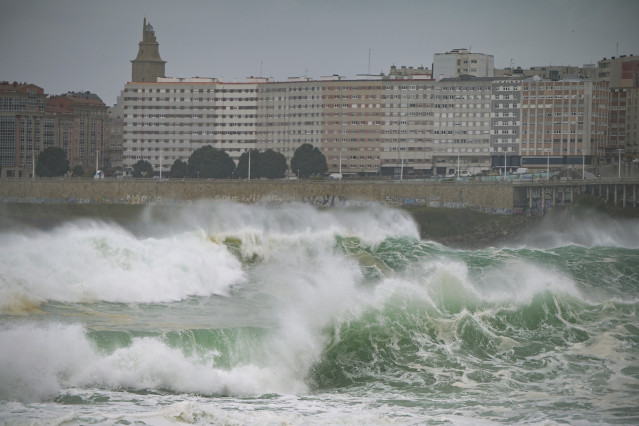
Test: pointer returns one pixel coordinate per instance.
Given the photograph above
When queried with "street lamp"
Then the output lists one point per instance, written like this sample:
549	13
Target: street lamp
619	149
505	162
547	164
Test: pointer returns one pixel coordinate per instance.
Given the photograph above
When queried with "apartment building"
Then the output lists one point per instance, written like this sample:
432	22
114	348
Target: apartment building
352	125
289	114
563	122
25	130
461	118
79	127
168	120
460	62
113	128
622	71
505	123
623	133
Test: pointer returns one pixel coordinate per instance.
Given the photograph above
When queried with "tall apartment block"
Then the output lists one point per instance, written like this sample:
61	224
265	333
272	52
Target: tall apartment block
79	127
622	74
505	122
460	62
563	122
24	128
169	119
31	122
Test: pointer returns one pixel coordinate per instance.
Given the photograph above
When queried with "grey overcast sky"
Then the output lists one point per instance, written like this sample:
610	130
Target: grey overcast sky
87	45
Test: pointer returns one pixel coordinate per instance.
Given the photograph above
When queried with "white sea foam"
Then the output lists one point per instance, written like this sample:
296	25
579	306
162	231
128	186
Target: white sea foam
520	281
372	225
34	360
38	362
592	230
90	262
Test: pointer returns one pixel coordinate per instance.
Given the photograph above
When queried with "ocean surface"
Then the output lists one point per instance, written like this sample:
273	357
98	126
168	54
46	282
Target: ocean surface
219	313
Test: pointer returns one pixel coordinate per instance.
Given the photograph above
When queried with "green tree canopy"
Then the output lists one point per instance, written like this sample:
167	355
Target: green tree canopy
272	164
142	169
52	162
179	169
268	164
242	165
209	162
78	171
308	161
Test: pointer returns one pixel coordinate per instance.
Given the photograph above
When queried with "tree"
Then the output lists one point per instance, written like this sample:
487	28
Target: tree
209	162
52	162
179	169
272	164
142	169
308	161
268	164
242	165
78	171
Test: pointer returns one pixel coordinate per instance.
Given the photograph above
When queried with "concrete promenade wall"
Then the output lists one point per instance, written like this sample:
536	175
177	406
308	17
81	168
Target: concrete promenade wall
487	197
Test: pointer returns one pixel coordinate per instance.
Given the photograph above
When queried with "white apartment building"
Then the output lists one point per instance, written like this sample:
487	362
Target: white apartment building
461	125
460	62
289	114
371	127
505	125
169	119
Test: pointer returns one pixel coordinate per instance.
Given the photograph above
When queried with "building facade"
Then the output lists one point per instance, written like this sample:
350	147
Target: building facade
563	122
169	119
460	62
622	123
114	138
373	127
622	71
25	129
79	127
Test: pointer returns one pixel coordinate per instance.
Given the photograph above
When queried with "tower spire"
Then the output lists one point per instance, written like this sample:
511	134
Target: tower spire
148	65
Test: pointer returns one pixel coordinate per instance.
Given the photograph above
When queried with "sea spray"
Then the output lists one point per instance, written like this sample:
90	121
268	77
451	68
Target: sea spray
90	262
257	313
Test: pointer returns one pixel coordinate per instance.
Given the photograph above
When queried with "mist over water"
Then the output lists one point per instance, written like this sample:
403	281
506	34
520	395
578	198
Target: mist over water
226	313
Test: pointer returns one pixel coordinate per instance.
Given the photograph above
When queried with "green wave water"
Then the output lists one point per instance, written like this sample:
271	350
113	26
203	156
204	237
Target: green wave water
264	315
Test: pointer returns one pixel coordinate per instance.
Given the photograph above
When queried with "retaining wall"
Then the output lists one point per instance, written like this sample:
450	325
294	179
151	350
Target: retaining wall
489	197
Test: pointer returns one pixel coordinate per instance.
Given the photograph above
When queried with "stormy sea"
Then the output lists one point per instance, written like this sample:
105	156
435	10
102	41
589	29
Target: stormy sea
222	313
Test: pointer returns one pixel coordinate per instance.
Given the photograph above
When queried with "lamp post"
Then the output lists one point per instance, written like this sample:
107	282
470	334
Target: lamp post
249	164
505	163
547	164
619	150
583	165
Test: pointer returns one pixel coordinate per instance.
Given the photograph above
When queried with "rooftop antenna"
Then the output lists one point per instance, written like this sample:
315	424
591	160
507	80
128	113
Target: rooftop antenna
369	61
617	49
261	63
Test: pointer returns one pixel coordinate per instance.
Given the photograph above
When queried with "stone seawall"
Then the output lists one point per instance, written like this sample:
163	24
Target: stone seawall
486	197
